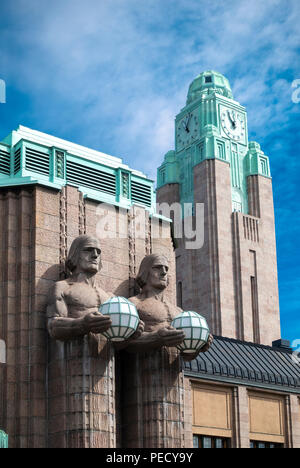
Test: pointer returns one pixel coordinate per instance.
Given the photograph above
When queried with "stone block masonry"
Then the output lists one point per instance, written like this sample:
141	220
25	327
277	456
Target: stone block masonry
60	394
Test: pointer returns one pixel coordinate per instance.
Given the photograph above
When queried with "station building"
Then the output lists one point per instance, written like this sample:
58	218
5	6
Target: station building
245	391
248	392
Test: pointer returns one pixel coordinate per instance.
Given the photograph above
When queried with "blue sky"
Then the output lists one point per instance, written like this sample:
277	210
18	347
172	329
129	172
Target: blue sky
112	75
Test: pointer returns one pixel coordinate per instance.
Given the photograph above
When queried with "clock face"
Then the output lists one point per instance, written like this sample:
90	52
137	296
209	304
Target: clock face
233	124
187	130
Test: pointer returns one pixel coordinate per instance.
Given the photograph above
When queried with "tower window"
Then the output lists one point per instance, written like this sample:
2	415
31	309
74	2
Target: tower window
208	79
254	297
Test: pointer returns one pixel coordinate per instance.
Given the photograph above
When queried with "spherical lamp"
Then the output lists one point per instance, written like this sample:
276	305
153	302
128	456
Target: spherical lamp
196	331
124	316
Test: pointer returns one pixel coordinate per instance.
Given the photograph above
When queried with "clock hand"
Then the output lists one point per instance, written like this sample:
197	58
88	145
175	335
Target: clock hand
185	127
187	124
233	122
229	115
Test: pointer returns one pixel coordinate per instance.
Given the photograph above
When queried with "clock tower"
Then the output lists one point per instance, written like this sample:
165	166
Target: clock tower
232	278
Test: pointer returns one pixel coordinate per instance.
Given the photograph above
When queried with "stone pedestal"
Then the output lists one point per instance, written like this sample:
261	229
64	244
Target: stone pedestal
81	394
153	400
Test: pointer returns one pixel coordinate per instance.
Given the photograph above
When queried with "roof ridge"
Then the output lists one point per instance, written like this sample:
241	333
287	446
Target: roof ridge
256	345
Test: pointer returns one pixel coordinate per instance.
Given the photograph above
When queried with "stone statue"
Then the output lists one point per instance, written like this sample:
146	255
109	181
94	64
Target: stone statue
73	306
81	371
155	311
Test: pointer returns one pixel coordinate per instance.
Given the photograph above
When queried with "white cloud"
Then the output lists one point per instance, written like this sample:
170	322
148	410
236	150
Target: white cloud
114	73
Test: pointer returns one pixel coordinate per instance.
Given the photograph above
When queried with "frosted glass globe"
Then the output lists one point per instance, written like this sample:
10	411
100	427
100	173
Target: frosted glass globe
124	316
195	328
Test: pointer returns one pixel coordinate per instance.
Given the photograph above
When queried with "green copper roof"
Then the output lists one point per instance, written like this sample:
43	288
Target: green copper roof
30	157
207	81
212	125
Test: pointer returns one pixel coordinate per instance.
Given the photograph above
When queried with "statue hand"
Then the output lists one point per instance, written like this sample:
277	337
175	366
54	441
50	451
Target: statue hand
208	344
189	356
140	331
95	322
171	337
192	356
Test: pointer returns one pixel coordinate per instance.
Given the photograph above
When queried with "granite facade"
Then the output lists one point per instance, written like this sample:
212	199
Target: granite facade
63	394
232	279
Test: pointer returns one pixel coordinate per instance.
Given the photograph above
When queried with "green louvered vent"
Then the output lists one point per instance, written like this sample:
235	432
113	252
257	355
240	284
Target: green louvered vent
17	164
4	162
141	193
37	161
91	178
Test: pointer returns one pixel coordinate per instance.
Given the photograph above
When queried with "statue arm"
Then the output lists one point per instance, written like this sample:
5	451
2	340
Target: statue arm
151	341
146	342
62	327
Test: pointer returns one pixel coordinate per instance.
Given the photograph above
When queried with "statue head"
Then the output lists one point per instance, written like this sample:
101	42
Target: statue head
153	272
84	255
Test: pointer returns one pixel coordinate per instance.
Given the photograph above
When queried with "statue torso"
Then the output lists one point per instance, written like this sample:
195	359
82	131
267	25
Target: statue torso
154	312
80	297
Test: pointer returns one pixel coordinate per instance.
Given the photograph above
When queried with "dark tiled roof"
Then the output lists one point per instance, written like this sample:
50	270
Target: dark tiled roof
247	363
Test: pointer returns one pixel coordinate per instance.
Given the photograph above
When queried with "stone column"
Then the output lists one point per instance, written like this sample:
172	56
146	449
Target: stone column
295	420
81	394
241	417
23	416
153	400
188	414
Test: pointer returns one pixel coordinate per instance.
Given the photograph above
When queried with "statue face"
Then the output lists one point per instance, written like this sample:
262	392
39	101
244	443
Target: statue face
158	274
89	257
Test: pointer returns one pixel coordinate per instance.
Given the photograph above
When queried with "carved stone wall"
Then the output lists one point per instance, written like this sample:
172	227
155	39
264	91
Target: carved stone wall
232	279
58	394
24	223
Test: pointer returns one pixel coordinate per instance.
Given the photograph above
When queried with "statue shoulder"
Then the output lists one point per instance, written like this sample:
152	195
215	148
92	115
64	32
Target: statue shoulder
177	309
58	289
104	296
135	300
63	284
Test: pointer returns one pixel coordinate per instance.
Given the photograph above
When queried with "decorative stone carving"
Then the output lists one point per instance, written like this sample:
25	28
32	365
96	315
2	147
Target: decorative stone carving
81	367
63	233
82	216
73	307
153	386
155	311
